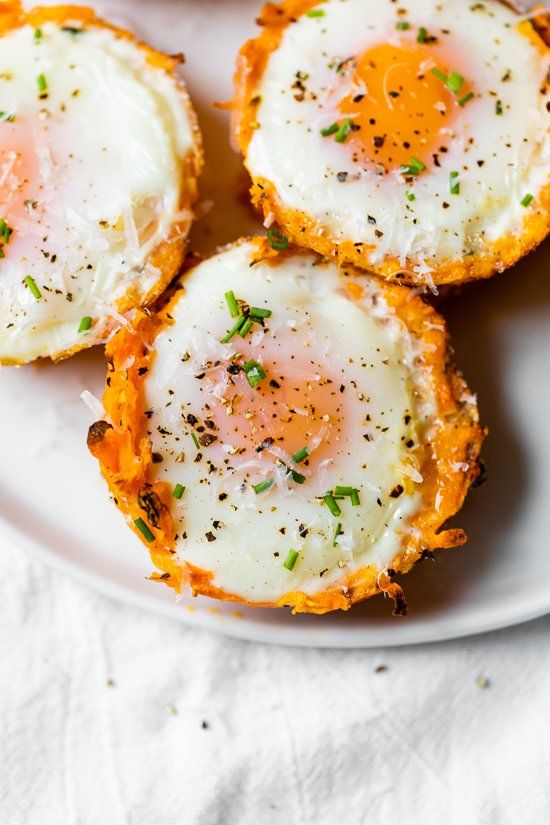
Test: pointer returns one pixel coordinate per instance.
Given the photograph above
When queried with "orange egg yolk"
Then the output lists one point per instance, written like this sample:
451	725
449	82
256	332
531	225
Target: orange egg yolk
295	406
19	174
401	106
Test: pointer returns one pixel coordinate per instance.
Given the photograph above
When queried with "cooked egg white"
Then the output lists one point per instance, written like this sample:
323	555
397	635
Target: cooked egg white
283	432
98	157
408	138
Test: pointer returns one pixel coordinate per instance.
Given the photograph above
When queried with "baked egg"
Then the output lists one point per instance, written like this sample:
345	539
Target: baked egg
99	155
284	432
410	139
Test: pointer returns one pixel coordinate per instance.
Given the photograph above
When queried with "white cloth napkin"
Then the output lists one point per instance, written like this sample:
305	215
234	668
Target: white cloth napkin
111	716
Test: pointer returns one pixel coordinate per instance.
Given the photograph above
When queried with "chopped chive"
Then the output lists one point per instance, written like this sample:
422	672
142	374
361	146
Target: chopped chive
527	200
195	441
300	455
498	107
438	73
464	100
246	327
422	35
343	131
233	331
354	498
330	501
32	286
454	184
277	240
337	532
37	35
144	530
7	118
455	81
178	491
254	373
330	130
263	486
410	196
42	84
291	559
253	377
298	478
414	167
256	312
402	25
5	231
315	13
343	491
232	304
85	324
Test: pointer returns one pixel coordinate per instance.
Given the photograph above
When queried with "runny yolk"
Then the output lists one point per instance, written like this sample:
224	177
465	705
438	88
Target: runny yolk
289	412
19	175
400	106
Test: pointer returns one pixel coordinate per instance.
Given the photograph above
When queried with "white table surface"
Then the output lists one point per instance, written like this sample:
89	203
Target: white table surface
112	716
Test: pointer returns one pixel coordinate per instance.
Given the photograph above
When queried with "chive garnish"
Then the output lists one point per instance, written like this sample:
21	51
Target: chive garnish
37	35
257	312
233	331
337	532
263	486
300	455
277	240
232	304
438	73
254	373
178	491
315	13
402	25
246	327
144	530
330	501
422	35
414	167
410	196
297	477
85	324
343	491
5	231
195	441
42	84
464	100
454	81
330	130
32	286
291	559
7	118
527	200
343	130
454	184
354	498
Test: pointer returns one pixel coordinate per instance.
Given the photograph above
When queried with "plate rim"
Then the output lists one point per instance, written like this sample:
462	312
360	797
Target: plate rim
245	630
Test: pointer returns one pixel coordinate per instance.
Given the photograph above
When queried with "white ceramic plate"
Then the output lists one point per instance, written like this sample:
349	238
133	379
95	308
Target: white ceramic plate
53	502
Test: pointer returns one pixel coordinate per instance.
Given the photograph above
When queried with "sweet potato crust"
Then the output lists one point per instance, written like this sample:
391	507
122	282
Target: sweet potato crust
123	450
169	254
302	229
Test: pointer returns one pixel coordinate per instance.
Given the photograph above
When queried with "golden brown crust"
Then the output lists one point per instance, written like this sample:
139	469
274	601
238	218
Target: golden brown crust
305	231
124	452
169	254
